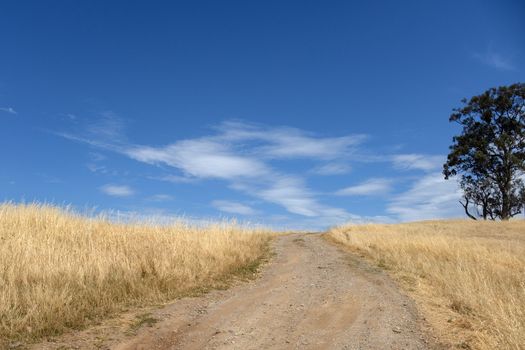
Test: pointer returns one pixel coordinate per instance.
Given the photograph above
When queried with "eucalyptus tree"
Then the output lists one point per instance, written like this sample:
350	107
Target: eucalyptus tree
489	154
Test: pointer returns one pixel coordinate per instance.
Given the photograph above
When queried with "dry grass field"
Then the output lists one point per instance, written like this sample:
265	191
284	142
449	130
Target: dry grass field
467	277
59	270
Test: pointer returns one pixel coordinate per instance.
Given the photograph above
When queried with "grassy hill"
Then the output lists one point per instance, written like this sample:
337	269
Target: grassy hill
59	270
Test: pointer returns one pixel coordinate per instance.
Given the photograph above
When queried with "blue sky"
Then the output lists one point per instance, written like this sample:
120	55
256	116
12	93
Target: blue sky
298	114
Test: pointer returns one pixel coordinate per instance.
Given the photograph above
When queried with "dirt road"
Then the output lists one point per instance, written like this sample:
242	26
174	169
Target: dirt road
311	296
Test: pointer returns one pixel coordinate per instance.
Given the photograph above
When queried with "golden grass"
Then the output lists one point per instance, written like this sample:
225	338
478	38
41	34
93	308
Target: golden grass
59	270
467	277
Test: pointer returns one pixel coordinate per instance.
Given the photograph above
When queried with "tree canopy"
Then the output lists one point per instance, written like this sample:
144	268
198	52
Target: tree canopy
489	154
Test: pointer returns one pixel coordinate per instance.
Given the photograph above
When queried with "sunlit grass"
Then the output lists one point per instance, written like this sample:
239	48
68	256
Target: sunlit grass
467	277
59	270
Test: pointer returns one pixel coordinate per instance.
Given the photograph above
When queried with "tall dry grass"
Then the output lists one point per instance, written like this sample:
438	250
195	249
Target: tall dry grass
59	270
467	277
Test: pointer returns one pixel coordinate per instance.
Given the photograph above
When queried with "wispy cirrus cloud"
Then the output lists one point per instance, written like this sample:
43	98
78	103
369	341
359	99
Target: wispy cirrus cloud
332	169
296	145
117	190
238	153
494	59
174	178
371	187
291	193
233	207
108	126
287	142
105	131
200	158
429	197
9	110
415	161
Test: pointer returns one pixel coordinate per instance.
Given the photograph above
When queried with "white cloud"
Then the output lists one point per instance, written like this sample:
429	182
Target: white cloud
227	156
95	168
238	154
430	197
9	110
233	207
301	146
418	161
290	193
242	154
92	141
239	149
108	127
367	188
117	190
332	169
97	157
286	142
494	59
174	178
201	158
105	131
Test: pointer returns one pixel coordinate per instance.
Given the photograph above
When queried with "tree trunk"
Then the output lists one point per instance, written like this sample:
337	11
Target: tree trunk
505	200
505	187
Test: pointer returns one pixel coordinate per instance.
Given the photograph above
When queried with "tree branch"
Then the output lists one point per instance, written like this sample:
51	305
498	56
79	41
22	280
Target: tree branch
465	206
